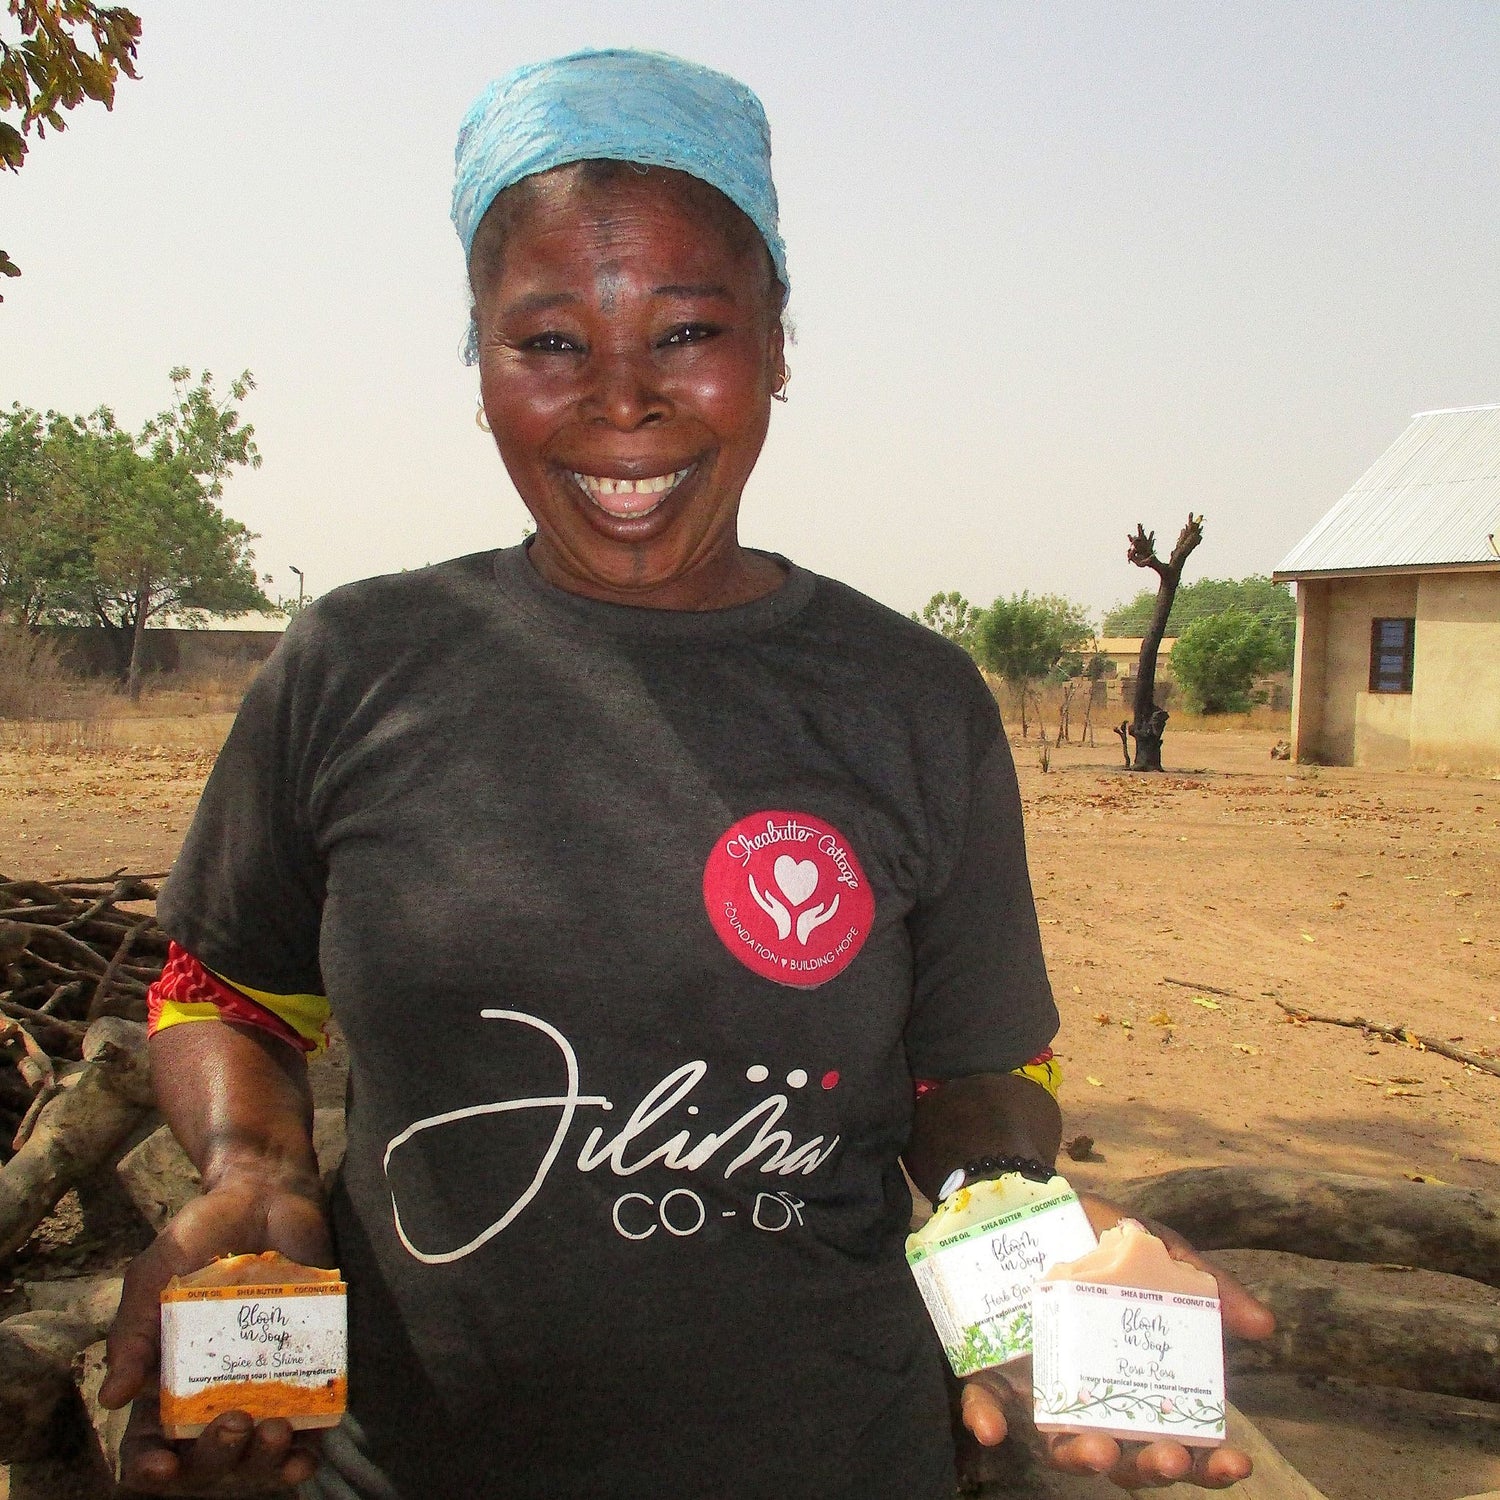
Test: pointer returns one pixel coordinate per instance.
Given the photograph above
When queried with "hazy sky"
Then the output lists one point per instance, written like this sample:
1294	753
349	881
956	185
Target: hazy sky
1055	267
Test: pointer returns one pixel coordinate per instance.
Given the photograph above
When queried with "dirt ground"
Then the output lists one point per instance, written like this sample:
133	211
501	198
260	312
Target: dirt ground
1176	911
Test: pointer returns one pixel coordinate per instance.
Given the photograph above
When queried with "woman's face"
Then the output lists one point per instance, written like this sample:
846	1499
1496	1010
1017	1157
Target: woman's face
629	342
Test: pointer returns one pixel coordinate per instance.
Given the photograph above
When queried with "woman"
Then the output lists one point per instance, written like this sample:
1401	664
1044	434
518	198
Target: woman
645	873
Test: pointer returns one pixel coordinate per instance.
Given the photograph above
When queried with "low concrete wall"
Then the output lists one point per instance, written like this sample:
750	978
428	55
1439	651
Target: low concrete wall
88	650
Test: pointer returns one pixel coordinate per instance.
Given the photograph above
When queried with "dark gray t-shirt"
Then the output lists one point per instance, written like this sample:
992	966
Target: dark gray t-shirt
639	925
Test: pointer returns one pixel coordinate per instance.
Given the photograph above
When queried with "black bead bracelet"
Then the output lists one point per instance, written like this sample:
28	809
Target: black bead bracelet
987	1168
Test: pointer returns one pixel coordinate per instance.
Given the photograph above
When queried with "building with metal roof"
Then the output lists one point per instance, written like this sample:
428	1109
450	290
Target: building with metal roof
1398	605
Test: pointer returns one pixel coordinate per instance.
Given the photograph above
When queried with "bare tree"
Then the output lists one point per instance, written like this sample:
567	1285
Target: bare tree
1149	722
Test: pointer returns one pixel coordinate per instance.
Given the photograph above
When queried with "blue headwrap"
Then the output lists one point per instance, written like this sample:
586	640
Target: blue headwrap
616	105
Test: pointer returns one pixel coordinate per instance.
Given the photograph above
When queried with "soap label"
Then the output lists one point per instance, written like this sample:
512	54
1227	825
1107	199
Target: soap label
272	1351
1128	1361
977	1282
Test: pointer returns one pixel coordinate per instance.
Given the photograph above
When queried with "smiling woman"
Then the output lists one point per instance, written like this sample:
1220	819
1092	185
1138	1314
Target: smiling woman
646	875
629	336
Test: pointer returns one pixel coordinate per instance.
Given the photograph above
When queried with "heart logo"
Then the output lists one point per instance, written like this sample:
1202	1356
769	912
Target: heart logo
797	880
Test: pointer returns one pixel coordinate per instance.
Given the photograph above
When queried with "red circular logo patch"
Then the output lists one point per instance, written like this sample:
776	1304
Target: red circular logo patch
788	898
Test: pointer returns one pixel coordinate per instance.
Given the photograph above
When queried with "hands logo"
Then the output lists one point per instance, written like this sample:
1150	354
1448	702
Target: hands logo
802	875
798	879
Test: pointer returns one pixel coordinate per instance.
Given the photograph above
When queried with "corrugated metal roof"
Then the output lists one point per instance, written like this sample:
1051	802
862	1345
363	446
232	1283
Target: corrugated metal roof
1432	499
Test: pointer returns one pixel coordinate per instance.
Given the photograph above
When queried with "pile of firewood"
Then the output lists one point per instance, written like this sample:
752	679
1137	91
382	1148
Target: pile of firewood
71	952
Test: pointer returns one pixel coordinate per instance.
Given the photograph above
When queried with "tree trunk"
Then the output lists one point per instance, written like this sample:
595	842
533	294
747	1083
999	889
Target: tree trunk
1149	721
138	636
1355	1327
1328	1216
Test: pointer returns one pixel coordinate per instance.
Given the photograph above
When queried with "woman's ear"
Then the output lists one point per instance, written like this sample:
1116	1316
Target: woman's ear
776	358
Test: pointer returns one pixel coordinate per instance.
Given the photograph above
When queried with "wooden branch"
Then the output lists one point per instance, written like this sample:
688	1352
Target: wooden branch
1140	549
77	1132
1328	1216
1208	989
1328	1324
132	888
1189	537
34	1021
69	955
1398	1033
101	990
65	940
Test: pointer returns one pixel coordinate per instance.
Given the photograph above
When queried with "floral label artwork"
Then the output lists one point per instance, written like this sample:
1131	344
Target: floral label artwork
1129	1362
977	1282
787	896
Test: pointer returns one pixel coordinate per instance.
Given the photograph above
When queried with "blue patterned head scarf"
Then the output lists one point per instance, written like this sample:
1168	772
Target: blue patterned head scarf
615	105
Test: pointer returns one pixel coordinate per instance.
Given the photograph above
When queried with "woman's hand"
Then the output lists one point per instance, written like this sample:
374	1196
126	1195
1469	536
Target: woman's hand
243	1214
995	1401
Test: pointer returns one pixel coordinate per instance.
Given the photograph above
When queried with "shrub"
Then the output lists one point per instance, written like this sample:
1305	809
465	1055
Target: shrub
1218	658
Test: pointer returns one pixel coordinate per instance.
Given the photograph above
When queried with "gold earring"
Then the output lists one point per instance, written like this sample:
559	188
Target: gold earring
779	394
480	420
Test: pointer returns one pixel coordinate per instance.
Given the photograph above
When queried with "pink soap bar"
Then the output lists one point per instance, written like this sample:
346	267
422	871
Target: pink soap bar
1130	1255
1128	1343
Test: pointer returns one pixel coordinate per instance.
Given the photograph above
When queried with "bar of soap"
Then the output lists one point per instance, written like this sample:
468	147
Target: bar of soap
1129	1343
978	1257
254	1333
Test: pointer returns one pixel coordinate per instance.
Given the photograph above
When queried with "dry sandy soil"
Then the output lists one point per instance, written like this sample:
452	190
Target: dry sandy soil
1176	910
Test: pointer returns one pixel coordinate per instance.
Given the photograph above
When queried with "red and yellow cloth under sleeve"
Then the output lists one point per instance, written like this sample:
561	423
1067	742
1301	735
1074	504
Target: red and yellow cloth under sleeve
187	991
1043	1069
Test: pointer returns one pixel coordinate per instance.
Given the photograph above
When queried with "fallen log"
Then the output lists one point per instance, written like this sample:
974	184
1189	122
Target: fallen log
1327	1216
1273	1478
37	1350
78	1130
1357	1324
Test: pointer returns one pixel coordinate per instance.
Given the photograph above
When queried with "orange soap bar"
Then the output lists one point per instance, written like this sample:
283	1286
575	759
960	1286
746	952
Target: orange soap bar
1128	1343
253	1333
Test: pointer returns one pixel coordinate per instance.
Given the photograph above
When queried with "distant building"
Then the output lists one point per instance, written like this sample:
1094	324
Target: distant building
1125	652
172	644
1398	606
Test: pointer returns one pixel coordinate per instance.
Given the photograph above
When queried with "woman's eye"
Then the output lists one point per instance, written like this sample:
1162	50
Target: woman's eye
550	343
689	333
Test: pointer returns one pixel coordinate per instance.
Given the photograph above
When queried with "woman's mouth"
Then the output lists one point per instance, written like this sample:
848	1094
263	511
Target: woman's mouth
628	499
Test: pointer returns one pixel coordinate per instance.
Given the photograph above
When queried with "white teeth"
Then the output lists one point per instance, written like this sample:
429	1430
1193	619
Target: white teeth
597	487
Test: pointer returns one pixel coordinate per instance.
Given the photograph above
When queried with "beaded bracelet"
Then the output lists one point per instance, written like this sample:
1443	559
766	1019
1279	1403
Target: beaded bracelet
987	1168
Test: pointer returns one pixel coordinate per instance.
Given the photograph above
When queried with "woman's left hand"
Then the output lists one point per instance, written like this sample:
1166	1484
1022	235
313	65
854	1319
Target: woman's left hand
995	1401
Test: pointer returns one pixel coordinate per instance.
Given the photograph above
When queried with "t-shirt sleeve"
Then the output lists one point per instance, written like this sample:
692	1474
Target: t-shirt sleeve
981	1000
245	896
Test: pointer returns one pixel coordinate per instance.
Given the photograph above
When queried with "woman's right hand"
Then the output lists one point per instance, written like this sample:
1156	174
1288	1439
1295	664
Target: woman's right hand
241	1214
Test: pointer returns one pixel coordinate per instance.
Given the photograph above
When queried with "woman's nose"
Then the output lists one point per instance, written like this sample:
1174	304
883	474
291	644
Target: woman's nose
625	391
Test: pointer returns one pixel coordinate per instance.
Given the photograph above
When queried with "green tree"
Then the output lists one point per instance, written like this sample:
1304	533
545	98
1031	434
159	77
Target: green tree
1257	595
38	548
953	617
151	540
1217	659
54	55
1025	639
